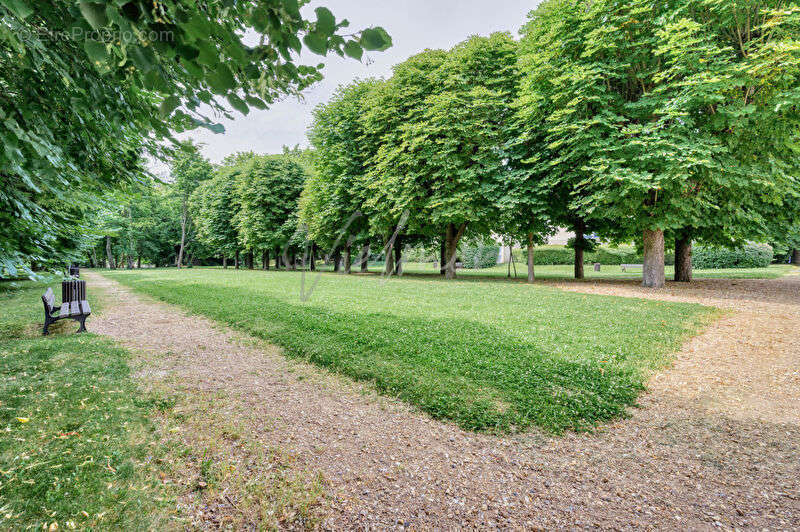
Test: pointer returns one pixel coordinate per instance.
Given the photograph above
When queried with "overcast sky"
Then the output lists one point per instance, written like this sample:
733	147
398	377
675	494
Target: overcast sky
414	26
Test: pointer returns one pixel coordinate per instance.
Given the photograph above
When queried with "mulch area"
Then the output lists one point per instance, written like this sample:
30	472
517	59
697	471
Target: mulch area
714	443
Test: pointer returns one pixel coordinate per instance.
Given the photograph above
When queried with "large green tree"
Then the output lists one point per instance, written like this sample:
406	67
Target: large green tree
443	122
334	193
189	170
268	191
213	206
667	116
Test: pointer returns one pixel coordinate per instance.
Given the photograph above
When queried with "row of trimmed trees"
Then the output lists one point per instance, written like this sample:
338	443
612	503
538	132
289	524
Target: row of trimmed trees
247	210
666	122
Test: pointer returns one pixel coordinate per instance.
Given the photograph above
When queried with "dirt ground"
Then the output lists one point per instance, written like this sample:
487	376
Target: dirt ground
714	443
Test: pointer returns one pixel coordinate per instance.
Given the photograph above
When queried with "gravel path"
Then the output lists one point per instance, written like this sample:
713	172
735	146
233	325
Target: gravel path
714	444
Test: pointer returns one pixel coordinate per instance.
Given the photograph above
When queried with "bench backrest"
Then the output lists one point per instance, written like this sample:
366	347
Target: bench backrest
49	299
73	290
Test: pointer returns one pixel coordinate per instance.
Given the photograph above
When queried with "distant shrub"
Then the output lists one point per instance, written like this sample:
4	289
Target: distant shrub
479	257
420	254
749	256
563	256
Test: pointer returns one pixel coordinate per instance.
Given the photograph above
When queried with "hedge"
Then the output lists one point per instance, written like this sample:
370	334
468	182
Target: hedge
563	256
478	257
750	256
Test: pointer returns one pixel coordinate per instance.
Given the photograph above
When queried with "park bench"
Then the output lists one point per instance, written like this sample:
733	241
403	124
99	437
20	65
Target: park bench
626	267
73	304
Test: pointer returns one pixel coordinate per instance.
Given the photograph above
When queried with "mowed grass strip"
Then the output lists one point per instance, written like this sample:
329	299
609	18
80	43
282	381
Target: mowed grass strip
489	356
74	441
607	271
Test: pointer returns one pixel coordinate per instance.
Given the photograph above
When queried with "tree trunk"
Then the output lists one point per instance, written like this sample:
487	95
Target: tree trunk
683	258
225	262
796	257
365	258
184	215
348	264
389	267
531	272
453	236
337	260
264	260
292	261
580	238
653	271
313	258
249	260
109	255
139	262
236	260
443	255
398	256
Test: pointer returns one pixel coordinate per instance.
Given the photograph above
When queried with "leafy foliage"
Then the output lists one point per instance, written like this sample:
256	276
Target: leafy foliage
668	115
92	86
750	256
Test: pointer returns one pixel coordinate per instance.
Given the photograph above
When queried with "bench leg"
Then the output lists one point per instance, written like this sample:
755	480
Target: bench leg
82	321
46	326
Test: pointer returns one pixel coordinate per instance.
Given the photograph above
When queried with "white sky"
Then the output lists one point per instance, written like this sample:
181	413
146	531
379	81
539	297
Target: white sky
414	26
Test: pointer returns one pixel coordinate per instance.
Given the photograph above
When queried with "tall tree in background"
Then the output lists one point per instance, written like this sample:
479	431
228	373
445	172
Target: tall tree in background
268	191
334	192
213	207
189	170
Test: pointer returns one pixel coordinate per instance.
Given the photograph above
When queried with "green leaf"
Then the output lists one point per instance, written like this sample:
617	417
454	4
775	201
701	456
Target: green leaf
316	43
292	7
238	104
259	19
354	50
96	50
221	79
258	103
326	22
168	105
375	39
95	14
20	8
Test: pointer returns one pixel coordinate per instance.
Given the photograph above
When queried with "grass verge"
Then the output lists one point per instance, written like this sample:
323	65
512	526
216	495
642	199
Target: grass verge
488	356
76	444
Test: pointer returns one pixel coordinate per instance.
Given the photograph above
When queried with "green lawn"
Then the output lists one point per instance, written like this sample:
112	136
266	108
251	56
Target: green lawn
490	356
74	435
607	272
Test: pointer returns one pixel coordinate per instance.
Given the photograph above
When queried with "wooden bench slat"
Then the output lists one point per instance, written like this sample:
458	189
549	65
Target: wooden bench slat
74	309
85	307
64	312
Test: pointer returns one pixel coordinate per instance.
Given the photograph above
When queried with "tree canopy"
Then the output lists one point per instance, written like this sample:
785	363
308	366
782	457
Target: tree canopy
91	86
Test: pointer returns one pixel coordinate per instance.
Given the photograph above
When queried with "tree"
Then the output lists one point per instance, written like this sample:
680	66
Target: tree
267	192
189	170
213	207
663	116
334	192
442	120
82	109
